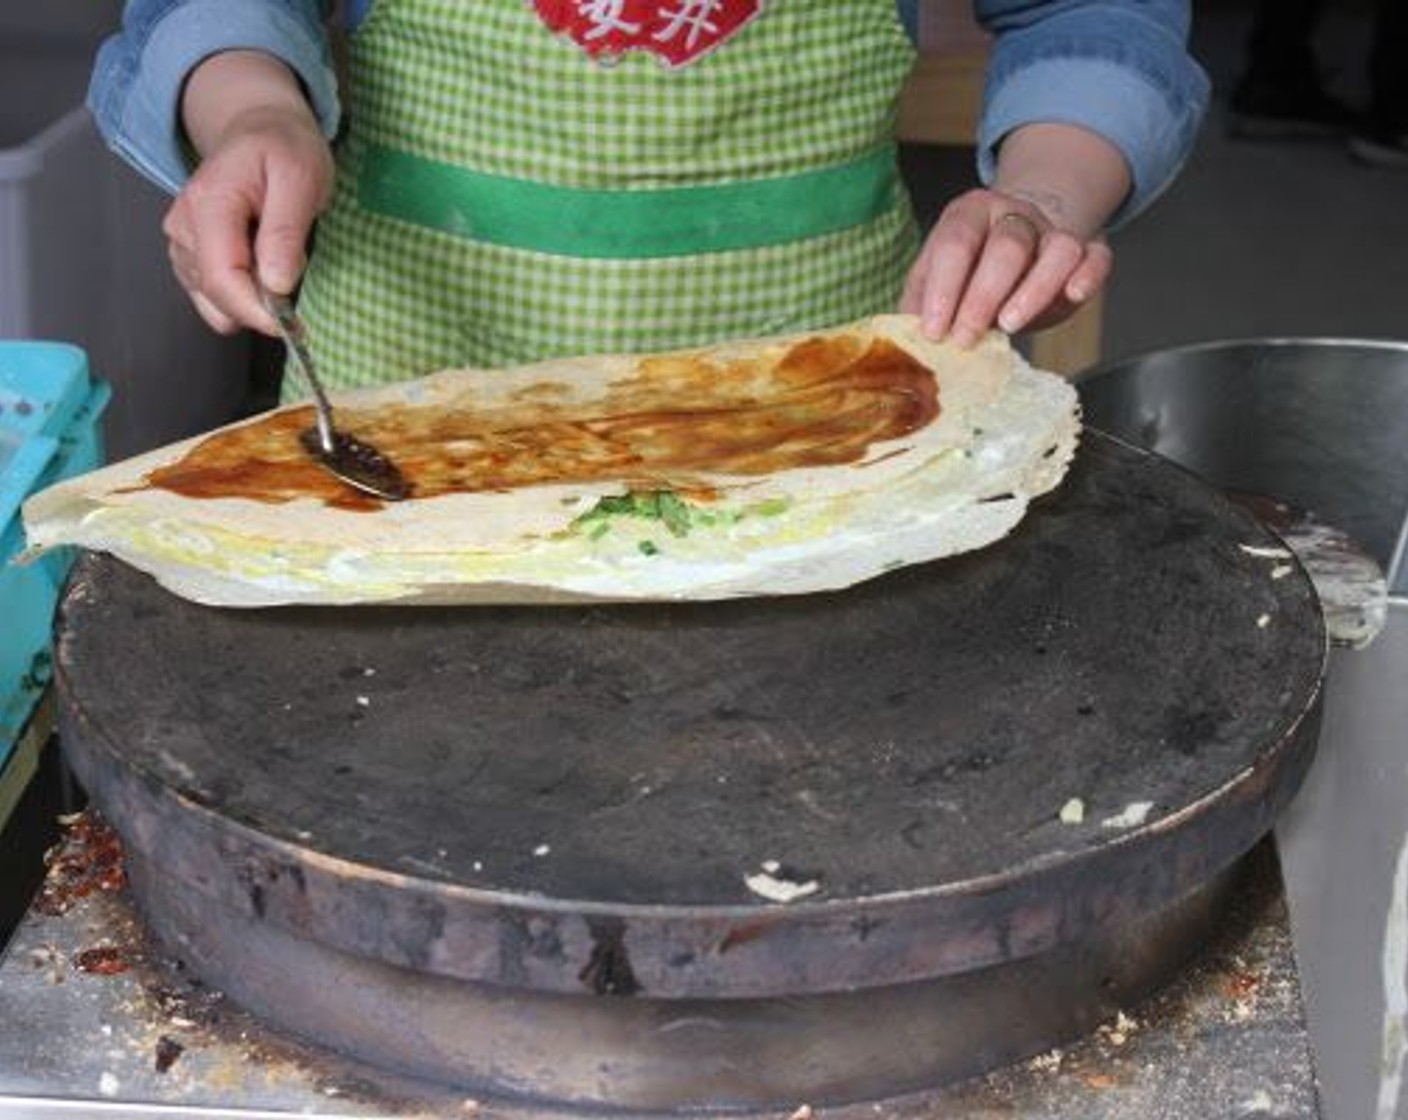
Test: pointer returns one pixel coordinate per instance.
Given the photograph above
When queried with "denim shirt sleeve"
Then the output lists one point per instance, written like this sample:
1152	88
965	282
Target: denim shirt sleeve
137	80
1120	68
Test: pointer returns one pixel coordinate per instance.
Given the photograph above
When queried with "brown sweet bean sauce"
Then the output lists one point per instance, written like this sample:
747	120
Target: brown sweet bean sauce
674	420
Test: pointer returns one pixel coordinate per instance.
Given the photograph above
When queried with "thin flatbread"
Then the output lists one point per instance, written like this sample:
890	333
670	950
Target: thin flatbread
763	467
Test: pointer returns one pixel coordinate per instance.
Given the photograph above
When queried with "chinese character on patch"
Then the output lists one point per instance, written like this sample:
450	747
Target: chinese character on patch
603	17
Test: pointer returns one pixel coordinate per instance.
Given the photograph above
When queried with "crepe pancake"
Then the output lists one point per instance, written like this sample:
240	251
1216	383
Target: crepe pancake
762	467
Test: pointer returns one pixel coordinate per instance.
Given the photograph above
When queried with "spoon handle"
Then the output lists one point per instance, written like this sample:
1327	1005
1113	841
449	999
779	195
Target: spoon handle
295	336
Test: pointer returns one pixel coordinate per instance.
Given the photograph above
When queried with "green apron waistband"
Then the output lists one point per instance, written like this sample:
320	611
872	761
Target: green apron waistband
625	224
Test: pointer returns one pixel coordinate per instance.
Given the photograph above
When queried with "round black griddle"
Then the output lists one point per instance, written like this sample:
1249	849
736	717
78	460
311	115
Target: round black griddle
510	848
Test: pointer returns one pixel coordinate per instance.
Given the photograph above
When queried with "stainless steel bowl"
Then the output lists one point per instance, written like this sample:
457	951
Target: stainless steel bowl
1321	424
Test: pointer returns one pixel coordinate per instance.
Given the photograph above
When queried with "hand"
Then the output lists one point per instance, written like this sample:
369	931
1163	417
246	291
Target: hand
265	175
997	259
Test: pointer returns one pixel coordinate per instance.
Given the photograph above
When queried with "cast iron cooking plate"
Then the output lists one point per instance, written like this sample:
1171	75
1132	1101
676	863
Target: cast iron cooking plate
565	801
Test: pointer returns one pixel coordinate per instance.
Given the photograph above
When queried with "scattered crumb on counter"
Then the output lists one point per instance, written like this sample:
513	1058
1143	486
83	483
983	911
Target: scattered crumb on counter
1263	621
101	960
167	1051
1118	1032
1073	811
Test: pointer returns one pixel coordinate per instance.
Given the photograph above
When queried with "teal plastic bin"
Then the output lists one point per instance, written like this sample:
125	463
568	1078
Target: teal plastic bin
50	408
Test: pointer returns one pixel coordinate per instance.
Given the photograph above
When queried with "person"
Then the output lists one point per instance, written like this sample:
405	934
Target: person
1382	139
519	179
1280	92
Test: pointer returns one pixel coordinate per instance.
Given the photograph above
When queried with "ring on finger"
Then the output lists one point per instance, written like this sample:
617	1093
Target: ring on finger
1017	218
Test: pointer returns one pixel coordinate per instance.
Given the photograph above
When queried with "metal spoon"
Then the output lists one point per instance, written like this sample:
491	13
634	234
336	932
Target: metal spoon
350	459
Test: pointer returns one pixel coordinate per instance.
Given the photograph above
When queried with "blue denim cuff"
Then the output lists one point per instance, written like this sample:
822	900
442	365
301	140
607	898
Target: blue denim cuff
1114	101
136	89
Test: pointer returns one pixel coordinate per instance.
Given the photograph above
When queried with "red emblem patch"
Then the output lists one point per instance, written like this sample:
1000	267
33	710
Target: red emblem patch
676	31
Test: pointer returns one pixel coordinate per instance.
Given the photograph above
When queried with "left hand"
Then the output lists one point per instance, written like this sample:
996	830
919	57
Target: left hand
995	259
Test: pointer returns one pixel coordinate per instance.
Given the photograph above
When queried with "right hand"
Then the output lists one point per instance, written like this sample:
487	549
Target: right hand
265	175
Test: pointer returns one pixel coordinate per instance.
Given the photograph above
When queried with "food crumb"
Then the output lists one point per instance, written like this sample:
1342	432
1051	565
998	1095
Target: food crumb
1132	816
47	958
1118	1032
1265	553
101	960
771	883
1241	985
1050	1062
802	1113
1281	571
542	850
108	1084
1263	621
364	701
167	1051
1073	811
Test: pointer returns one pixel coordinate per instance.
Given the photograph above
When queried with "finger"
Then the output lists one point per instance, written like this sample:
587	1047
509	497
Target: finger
1092	273
180	243
176	223
183	264
911	298
953	250
1057	260
217	319
224	257
292	201
1008	253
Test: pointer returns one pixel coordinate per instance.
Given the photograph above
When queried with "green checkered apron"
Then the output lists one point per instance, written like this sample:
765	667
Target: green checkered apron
509	190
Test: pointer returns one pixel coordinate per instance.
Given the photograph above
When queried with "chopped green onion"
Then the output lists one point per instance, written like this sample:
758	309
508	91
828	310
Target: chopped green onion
678	515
